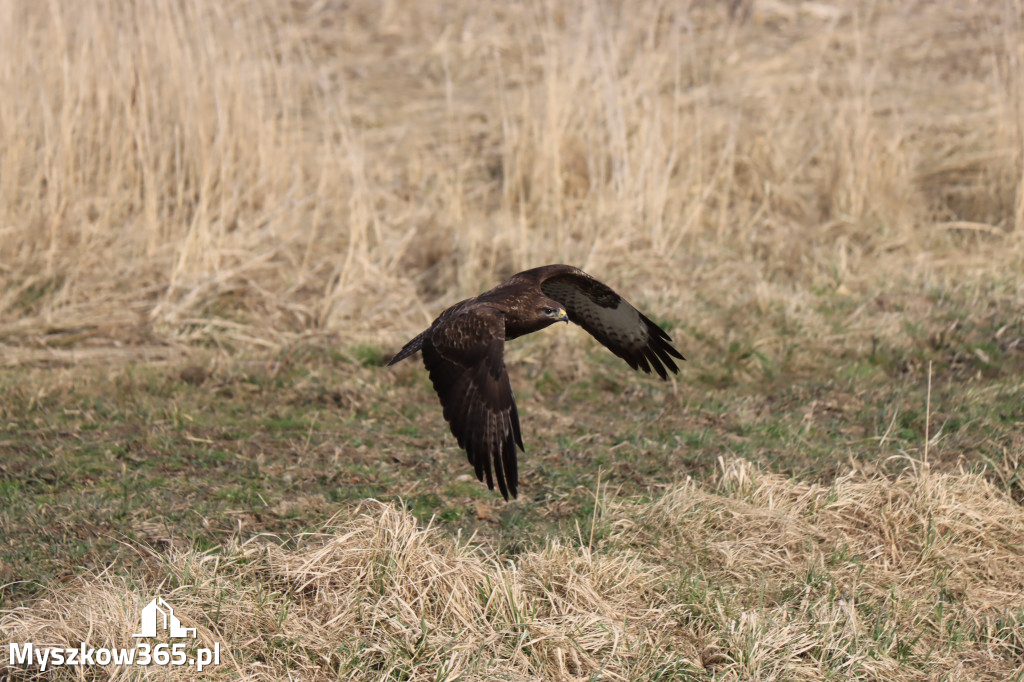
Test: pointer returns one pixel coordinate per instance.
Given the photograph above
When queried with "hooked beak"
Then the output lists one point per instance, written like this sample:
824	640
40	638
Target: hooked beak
562	316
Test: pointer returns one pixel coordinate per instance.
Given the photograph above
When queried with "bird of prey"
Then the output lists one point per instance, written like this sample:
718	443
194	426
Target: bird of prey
464	349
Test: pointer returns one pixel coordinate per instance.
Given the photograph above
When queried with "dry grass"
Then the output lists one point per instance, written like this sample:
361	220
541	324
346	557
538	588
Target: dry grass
865	575
751	576
249	172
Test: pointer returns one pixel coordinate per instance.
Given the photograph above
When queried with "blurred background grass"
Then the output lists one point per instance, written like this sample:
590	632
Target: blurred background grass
245	174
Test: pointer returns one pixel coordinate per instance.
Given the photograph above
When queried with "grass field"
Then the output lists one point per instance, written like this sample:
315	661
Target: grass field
218	222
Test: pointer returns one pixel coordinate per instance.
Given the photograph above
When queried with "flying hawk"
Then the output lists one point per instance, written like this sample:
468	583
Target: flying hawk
464	350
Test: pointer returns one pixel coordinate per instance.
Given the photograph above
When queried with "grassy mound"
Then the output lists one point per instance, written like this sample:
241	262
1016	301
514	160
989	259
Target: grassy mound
751	576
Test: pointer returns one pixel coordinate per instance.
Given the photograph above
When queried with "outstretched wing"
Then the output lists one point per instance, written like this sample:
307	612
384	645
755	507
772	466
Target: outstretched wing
610	319
464	355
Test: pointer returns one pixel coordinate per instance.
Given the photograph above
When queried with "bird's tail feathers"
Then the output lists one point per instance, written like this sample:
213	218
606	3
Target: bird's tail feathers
410	348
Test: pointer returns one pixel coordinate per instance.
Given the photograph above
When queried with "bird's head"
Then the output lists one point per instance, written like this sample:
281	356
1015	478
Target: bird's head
555	313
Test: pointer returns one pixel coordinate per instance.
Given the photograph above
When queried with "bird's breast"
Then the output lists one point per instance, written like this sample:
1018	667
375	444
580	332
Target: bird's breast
514	327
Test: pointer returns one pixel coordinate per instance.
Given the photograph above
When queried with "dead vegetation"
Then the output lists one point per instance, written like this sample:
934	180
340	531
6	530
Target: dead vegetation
750	576
252	173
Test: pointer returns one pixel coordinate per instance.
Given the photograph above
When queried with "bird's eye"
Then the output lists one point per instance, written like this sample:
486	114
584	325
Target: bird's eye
549	311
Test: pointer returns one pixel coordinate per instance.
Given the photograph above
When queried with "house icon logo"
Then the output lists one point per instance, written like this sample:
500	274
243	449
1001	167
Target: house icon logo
158	609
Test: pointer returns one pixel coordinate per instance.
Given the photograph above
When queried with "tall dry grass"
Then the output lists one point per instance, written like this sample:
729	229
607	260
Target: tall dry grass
252	171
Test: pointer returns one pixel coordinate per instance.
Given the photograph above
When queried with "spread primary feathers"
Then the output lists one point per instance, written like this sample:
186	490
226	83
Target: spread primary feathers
464	350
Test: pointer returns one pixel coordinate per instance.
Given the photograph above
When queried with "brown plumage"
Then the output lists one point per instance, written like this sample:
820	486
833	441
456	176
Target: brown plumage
464	351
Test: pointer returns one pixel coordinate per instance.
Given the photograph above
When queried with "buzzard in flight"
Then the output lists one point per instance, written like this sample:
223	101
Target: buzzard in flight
464	350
